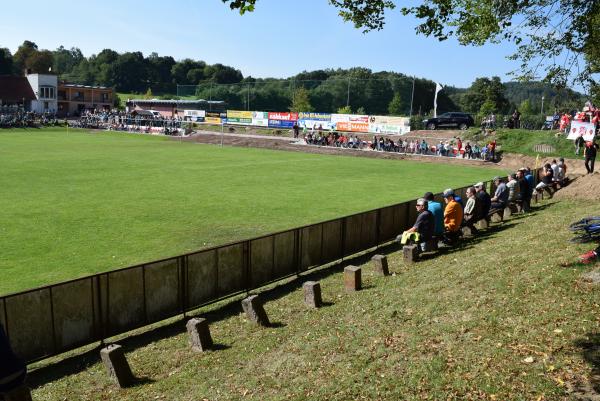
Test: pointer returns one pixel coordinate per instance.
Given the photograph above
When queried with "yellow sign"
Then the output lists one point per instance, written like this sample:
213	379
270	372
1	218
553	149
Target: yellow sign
239	114
212	120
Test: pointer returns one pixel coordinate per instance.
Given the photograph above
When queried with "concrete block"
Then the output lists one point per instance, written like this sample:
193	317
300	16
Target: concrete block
507	213
411	253
497	216
116	365
352	278
483	224
380	265
312	294
21	393
467	231
255	311
199	333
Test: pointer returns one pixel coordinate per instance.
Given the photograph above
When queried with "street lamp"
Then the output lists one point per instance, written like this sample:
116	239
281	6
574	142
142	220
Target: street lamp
542	105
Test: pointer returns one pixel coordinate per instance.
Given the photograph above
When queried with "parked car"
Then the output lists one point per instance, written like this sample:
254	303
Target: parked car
448	120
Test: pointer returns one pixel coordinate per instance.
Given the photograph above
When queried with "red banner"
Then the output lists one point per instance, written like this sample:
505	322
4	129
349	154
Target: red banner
283	116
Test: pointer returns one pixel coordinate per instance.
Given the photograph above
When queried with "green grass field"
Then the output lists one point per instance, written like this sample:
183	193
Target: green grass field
77	203
504	317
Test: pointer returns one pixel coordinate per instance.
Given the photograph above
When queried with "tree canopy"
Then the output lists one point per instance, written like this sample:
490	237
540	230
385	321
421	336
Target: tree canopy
555	40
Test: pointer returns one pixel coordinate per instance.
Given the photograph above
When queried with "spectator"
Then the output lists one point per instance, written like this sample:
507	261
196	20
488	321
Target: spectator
500	198
438	214
472	210
524	190
296	129
513	188
453	215
591	150
484	200
516	119
547	178
579	143
12	370
422	231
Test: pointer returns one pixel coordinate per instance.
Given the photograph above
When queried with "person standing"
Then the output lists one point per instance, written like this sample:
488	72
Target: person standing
590	156
579	143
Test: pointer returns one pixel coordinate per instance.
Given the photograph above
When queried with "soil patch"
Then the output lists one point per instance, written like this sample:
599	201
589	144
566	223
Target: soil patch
584	187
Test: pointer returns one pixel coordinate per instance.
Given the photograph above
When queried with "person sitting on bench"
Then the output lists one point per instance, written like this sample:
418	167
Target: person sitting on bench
547	178
484	199
12	370
422	231
453	215
472	210
500	198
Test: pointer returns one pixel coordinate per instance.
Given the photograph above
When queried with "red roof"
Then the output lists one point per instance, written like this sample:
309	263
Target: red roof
15	89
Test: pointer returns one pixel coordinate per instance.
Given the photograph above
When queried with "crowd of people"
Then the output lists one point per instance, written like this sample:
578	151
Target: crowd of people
435	222
446	148
115	120
26	119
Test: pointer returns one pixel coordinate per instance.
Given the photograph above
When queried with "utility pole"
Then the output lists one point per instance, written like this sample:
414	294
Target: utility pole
542	104
248	101
348	94
412	98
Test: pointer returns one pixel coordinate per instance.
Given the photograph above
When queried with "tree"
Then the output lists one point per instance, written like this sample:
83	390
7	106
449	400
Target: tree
553	39
345	110
484	90
6	62
526	108
22	54
64	60
396	107
149	94
40	61
301	101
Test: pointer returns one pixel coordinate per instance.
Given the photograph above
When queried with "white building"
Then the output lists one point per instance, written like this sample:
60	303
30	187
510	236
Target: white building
45	89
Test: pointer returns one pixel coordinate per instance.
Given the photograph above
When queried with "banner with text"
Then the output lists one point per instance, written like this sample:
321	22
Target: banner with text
315	121
389	125
587	130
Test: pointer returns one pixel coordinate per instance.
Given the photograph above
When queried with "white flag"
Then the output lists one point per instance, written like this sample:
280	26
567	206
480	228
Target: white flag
438	88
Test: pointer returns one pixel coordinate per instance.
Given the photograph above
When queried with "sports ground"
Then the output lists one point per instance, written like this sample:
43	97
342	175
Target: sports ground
77	202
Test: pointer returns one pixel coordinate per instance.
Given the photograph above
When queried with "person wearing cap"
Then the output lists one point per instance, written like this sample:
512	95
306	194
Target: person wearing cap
500	198
484	200
423	227
438	213
453	215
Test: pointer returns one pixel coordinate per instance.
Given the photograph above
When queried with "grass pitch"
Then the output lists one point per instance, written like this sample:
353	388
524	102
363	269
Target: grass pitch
76	203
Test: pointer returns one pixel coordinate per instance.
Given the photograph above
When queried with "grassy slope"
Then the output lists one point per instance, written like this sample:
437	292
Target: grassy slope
462	325
79	203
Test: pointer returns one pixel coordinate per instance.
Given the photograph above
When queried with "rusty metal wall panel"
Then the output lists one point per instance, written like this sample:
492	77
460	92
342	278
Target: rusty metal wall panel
74	313
311	238
352	234
368	230
162	290
29	323
402	212
412	212
231	269
332	241
125	299
201	278
285	245
261	261
387	224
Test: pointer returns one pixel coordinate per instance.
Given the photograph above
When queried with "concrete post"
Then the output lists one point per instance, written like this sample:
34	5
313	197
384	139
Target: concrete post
497	217
352	278
116	365
483	224
380	265
255	311
199	333
312	294
507	213
410	253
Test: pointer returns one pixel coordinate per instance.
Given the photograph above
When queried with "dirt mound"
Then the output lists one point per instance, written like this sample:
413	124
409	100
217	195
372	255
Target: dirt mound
584	187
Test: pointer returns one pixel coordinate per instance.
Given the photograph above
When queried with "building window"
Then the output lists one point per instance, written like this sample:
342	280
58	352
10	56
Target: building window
47	92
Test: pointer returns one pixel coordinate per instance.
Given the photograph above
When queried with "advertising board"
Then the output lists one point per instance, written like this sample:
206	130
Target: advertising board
283	116
389	125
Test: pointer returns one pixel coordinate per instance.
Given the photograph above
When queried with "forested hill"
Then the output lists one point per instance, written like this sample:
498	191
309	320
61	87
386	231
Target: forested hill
358	89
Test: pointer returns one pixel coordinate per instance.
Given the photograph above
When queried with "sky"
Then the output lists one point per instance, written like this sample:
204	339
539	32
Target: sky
279	39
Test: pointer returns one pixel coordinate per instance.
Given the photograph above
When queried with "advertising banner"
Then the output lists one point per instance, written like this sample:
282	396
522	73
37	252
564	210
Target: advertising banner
342	119
239	114
588	130
260	118
389	125
194	115
240	121
212	120
352	126
315	120
283	116
280	123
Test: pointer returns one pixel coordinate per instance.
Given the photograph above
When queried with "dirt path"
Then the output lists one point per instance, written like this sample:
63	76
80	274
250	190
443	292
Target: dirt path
286	143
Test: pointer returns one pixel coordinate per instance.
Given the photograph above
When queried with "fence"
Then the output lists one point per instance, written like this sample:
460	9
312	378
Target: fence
49	320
